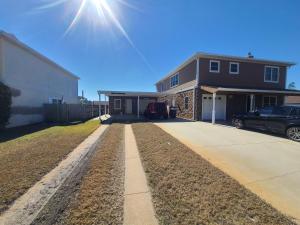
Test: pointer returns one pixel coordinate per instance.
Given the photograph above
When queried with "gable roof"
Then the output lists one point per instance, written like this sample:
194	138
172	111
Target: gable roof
227	57
12	39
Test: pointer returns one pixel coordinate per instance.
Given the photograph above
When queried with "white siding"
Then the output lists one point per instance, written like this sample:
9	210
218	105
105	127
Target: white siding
36	79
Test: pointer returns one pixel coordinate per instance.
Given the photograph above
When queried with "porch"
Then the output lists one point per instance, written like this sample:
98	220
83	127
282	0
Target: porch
219	103
123	104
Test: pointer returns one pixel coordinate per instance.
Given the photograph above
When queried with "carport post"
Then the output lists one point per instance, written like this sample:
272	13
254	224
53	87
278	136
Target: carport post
251	102
138	107
105	104
213	117
99	105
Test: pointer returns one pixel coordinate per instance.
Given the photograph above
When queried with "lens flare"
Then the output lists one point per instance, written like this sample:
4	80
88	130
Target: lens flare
105	14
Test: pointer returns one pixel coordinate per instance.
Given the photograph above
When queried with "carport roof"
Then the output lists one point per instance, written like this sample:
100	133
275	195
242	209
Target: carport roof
213	89
129	93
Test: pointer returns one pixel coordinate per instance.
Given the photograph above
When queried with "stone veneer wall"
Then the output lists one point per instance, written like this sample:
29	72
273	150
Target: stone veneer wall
181	111
198	104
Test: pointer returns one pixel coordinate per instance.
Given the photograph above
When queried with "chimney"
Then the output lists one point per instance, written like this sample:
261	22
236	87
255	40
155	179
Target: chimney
250	56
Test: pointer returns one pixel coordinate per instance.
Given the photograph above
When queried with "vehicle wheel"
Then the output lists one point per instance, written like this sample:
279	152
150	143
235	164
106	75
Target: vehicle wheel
238	123
293	133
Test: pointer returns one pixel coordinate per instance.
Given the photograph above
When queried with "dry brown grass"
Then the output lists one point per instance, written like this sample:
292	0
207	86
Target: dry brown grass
100	196
26	159
187	189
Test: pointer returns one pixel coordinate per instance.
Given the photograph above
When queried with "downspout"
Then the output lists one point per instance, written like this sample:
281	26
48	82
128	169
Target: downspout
196	86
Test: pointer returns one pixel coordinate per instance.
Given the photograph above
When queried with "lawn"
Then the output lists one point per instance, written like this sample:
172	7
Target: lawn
187	189
98	199
27	154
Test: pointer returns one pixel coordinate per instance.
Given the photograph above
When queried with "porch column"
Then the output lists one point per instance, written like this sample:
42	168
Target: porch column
138	107
105	104
251	102
213	117
99	106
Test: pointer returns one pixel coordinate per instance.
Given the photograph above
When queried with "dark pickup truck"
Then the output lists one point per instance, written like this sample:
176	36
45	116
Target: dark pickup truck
279	119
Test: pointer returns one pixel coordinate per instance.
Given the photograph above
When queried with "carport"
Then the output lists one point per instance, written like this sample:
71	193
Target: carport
127	102
239	100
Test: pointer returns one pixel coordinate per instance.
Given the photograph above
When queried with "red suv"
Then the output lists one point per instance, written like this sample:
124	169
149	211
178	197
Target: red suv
156	110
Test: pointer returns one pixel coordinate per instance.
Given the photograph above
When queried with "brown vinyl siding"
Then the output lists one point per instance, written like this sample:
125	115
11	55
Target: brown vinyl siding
186	74
251	75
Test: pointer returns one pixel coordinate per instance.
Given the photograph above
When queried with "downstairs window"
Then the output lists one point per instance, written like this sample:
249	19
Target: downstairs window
186	103
269	101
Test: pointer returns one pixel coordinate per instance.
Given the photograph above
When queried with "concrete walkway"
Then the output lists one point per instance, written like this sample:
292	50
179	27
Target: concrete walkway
267	165
26	208
138	208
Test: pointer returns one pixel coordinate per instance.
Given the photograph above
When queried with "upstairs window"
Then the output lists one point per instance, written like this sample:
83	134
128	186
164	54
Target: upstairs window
186	103
272	74
234	68
175	80
214	66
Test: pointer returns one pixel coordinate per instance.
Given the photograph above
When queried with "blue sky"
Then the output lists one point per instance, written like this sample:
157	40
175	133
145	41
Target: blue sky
163	33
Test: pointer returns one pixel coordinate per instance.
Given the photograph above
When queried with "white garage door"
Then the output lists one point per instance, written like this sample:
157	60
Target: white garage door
207	105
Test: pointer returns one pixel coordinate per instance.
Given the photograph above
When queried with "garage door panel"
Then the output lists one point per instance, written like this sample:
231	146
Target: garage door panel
207	106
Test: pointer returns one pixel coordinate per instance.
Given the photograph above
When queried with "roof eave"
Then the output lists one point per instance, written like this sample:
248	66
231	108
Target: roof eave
245	59
12	39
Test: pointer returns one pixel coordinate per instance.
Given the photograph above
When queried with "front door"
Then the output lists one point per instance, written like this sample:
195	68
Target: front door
128	109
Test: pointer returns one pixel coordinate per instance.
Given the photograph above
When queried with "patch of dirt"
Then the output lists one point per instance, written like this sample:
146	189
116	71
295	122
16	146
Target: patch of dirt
187	189
94	194
24	160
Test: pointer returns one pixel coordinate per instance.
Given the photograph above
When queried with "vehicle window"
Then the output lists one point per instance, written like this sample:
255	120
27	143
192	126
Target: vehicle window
281	111
295	112
265	110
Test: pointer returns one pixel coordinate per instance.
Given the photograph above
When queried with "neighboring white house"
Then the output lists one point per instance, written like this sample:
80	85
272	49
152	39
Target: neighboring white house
34	80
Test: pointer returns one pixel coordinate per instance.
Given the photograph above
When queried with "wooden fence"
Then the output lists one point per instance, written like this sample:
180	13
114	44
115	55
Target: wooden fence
70	112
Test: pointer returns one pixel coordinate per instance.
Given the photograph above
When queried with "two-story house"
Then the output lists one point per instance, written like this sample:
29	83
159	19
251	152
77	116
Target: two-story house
212	87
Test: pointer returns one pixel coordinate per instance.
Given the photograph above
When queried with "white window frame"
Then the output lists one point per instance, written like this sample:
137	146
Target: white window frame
117	99
271	81
219	65
186	97
172	86
238	67
269	96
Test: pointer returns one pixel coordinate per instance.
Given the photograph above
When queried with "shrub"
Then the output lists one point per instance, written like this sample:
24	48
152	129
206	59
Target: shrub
5	104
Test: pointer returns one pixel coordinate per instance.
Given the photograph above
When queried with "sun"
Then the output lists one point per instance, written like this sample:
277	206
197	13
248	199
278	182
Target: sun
104	13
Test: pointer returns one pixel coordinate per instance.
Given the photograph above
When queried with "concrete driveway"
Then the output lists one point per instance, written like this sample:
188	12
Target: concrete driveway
267	165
